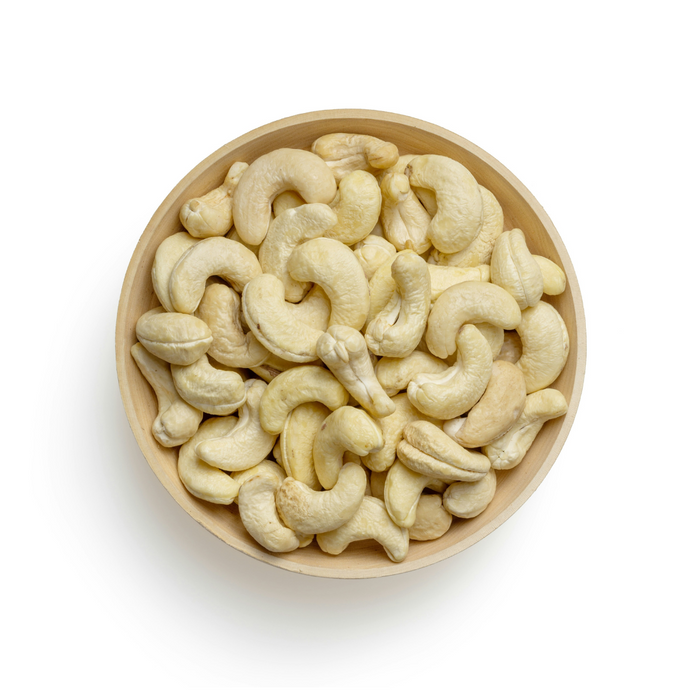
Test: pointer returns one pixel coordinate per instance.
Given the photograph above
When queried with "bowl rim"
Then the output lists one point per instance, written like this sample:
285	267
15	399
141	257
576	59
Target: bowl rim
336	572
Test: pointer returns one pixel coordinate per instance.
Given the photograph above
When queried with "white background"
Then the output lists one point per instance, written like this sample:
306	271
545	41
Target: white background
107	582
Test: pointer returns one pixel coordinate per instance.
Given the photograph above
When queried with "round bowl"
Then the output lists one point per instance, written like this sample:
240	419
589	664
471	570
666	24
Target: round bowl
521	210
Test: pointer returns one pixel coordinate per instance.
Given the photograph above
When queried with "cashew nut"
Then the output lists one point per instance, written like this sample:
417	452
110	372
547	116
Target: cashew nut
176	421
174	338
402	492
443	277
470	302
494	336
214	256
348	428
167	255
295	387
394	374
509	450
432	521
371	521
247	444
335	268
345	153
552	275
455	390
467	500
427	450
357	205
265	467
211	214
515	270
314	512
545	346
344	351
511	350
497	410
210	390
220	310
372	252
459	215
290	228
253	248
404	219
286	200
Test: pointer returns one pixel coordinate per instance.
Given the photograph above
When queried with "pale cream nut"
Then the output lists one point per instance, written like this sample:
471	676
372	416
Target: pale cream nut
515	270
286	200
345	153
272	367
432	520
395	373
494	336
552	275
443	277
405	221
467	500
167	255
372	252
511	350
402	492
357	205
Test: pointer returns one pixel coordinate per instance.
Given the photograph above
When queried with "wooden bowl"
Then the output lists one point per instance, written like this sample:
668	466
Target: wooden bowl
521	209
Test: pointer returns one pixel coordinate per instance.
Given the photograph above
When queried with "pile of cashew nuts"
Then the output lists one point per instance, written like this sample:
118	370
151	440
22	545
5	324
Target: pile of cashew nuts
367	342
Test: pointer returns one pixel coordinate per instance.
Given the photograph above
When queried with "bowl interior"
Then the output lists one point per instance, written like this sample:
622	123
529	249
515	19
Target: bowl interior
521	210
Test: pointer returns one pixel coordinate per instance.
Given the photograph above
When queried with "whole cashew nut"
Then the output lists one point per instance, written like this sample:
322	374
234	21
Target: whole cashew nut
405	221
432	520
515	270
357	205
345	153
552	275
402	492
467	500
394	373
167	255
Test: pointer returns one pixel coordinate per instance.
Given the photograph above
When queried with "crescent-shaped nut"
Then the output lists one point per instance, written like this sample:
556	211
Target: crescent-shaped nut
545	346
211	214
467	500
200	479
295	387
314	512
479	251
443	277
344	351
432	521
459	215
215	256
470	302
497	410
174	338
402	491
552	275
176	421
455	390
394	374
515	270
210	390
511	350
219	309
345	153
167	255
357	205
427	450
509	450
348	428
247	444
335	268
269	175
405	221
371	521
399	326
289	229
372	252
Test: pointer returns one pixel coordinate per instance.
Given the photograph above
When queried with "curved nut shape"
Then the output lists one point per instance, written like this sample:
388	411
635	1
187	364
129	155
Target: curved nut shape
470	302
289	229
479	251
427	450
402	492
167	255
269	175
334	267
176	421
545	346
509	450
432	521
467	500
459	215
405	221
297	442
371	521
210	390
211	214
247	444
398	328
497	410
515	270
443	277
372	252
511	350
455	390
220	310
174	338
552	275
347	428
357	205
344	351
215	256
394	374
285	201
200	479
345	153
295	387
314	512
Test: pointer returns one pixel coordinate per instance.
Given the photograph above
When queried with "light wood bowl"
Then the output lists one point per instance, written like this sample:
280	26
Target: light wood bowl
521	209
